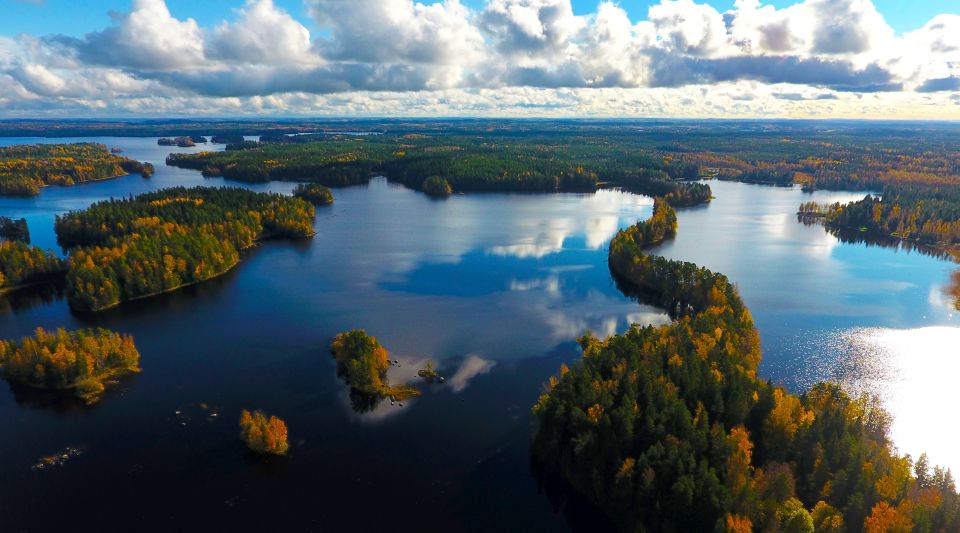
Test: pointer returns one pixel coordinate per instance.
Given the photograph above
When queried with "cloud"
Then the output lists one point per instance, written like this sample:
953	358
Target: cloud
950	83
847	26
390	31
537	55
816	72
263	34
536	29
147	37
688	27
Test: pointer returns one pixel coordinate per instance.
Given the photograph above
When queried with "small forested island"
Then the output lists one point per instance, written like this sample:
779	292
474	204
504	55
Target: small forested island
160	241
186	141
428	372
362	363
265	436
22	265
14	230
84	361
924	215
436	186
24	169
670	429
314	193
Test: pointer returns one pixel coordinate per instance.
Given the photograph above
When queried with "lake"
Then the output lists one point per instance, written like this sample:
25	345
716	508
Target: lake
494	288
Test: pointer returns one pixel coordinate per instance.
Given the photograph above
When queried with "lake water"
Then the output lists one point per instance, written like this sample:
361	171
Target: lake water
494	288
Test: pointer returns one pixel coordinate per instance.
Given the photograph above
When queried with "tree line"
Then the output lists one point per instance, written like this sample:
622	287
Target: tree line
14	230
24	169
159	241
435	163
82	361
928	216
21	265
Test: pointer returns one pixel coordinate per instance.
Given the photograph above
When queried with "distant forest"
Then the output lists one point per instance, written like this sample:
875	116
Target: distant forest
24	169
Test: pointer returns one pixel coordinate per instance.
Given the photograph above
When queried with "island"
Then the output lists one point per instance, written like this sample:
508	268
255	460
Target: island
187	141
362	363
83	362
262	435
314	193
14	230
670	429
22	265
24	169
429	373
439	164
124	249
436	186
927	216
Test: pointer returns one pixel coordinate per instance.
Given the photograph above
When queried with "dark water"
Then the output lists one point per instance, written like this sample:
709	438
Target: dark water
494	288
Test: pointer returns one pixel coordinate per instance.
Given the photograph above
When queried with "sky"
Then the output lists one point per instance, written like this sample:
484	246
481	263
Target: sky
879	59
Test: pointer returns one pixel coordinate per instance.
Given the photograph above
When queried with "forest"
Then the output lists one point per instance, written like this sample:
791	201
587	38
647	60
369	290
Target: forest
923	215
186	141
362	363
670	429
263	435
160	241
84	361
24	169
314	193
14	230
815	154
442	164
22	265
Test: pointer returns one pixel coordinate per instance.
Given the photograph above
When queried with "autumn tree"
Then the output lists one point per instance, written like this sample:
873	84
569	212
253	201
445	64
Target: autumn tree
266	436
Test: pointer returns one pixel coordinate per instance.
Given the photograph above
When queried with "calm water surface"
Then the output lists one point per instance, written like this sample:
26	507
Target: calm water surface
495	288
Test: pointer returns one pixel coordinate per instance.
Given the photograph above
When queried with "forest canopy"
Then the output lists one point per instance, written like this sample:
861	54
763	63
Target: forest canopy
22	265
263	435
670	429
24	169
84	361
160	241
927	216
314	193
362	363
441	164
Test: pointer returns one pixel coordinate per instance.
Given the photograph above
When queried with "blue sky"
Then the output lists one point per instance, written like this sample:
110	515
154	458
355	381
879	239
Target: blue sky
73	17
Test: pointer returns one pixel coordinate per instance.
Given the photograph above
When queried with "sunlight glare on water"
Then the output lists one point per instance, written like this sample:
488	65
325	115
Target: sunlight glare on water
914	372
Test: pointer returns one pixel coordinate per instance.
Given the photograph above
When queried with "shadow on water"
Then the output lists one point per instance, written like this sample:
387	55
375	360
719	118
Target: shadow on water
25	299
64	401
869	239
674	307
580	514
183	299
61	402
363	402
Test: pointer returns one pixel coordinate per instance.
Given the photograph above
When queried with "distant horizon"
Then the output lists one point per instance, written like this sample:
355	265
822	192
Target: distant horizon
388	118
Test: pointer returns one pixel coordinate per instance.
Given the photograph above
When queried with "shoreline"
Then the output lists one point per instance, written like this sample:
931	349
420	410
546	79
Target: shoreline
244	251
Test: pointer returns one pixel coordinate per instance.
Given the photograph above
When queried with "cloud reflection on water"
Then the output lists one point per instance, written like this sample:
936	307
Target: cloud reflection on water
472	366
